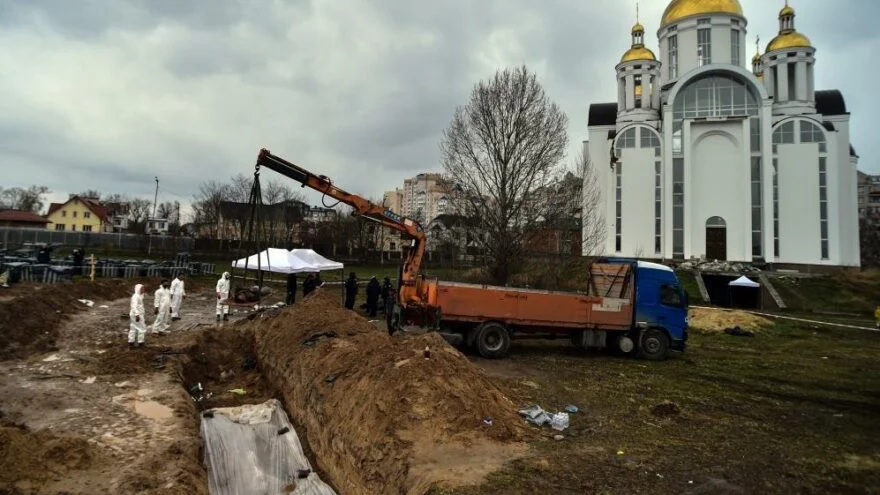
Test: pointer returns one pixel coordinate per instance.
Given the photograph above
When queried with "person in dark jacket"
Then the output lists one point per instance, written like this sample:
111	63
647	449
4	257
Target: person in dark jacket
318	281
308	285
291	289
351	290
373	291
387	288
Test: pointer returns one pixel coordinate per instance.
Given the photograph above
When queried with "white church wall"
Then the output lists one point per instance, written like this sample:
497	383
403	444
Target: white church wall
599	153
847	207
718	185
799	234
638	202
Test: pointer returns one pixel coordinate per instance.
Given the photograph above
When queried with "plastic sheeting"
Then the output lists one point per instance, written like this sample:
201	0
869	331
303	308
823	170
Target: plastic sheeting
254	449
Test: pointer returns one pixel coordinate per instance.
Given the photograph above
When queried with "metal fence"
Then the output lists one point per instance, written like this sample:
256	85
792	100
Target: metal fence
63	270
11	237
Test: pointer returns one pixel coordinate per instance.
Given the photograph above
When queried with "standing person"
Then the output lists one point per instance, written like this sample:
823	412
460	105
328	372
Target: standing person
223	297
308	285
177	295
291	289
137	327
318	281
386	293
161	308
373	291
351	290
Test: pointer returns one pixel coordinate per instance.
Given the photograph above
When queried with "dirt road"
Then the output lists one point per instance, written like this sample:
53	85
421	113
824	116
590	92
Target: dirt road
94	416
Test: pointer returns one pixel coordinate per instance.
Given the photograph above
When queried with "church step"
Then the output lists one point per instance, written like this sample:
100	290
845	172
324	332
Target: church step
702	285
772	290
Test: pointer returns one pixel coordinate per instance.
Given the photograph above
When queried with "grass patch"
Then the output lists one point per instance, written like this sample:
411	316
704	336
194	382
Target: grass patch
791	410
853	293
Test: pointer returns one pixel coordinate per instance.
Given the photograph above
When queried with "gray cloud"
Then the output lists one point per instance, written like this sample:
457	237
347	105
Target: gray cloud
105	95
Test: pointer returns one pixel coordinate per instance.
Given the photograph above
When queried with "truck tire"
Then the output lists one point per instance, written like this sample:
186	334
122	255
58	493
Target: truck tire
654	345
492	341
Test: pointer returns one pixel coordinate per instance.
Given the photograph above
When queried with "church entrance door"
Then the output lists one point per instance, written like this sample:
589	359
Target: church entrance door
716	239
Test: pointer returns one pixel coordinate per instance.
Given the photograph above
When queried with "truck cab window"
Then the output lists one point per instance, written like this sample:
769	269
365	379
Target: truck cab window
669	296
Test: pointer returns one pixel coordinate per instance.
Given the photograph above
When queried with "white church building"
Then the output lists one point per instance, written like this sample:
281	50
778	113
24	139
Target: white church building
701	157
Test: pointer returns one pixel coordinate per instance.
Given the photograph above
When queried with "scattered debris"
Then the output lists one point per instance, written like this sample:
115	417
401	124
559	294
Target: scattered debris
90	380
558	437
718	267
237	391
87	302
665	408
571	409
559	422
739	332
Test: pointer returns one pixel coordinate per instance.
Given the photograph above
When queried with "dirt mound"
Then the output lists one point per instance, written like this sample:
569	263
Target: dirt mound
380	417
30	314
716	320
37	459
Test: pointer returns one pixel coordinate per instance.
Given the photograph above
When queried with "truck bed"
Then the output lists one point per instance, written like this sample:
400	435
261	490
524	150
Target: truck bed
518	307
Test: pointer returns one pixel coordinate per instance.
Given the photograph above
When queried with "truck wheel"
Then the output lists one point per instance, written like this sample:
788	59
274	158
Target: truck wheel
654	345
492	341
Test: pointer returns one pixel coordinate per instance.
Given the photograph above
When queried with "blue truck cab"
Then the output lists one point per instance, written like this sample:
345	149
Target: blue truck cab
660	316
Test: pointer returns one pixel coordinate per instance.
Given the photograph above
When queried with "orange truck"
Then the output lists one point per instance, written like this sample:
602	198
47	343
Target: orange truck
631	306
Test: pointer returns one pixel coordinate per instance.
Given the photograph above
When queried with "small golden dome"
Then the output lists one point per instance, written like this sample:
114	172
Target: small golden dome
638	28
787	10
638	53
791	39
680	9
756	58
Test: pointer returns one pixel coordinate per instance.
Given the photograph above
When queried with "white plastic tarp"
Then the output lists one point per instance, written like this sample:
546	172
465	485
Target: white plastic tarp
744	282
274	260
315	260
254	449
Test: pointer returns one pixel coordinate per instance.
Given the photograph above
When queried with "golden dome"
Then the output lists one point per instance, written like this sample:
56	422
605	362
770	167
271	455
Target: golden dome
638	28
756	58
638	53
680	9
787	10
791	39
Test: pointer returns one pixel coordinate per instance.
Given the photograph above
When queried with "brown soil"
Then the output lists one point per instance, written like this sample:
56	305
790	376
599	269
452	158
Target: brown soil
380	417
30	314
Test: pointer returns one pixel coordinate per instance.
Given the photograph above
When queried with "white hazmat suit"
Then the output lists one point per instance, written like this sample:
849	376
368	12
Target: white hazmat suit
177	295
162	305
137	327
223	296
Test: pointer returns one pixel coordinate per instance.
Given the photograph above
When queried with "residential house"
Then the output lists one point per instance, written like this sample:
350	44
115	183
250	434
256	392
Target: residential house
79	214
869	195
22	219
118	212
157	226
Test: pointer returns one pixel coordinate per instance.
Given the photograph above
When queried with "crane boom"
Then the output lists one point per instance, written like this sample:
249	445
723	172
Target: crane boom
408	290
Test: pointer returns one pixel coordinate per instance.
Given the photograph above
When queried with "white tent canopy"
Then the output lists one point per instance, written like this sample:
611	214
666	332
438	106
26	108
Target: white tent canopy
315	260
744	282
278	260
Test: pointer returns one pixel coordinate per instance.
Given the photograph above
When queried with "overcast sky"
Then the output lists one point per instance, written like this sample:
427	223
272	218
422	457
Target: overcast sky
107	94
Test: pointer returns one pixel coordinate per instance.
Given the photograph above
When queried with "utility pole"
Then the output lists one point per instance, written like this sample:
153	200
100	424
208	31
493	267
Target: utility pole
150	235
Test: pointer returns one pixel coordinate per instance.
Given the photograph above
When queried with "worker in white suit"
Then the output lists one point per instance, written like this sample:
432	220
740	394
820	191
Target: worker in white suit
223	297
162	308
137	326
177	295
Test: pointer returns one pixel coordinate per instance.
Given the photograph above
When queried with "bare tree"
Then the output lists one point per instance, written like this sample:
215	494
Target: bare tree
593	225
139	210
31	199
206	205
501	148
89	193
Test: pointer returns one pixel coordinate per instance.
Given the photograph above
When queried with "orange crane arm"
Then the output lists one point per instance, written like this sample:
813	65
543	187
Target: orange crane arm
362	208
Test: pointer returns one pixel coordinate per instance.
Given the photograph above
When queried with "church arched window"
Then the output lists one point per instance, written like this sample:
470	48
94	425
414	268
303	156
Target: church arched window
800	131
645	138
716	95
